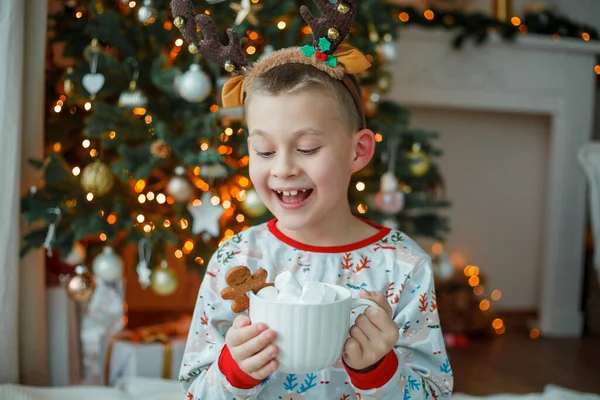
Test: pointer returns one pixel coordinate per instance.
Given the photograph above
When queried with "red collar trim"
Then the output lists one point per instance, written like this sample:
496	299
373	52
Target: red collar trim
383	232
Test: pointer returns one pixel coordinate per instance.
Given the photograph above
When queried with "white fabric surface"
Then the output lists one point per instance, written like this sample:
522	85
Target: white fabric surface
11	68
22	41
589	157
163	389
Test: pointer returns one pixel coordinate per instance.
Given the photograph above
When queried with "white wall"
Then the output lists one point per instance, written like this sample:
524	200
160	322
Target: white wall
494	166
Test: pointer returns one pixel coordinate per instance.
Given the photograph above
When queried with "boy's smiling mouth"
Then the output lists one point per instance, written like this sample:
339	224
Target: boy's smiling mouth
293	198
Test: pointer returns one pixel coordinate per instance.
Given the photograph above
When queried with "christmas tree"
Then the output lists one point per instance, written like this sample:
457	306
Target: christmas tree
139	149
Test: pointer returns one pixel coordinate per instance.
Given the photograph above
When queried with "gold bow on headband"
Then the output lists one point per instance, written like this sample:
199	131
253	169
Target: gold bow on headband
347	60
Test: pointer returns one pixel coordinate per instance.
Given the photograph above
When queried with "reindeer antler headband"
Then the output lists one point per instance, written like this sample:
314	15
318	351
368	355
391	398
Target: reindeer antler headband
326	53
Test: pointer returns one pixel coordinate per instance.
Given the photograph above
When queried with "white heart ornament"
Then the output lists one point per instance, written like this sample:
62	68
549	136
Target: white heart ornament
93	83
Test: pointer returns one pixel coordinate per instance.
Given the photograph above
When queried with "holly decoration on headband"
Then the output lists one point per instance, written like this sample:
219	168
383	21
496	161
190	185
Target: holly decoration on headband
320	52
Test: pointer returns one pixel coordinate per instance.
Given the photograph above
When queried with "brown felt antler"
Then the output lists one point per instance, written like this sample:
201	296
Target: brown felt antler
230	57
334	23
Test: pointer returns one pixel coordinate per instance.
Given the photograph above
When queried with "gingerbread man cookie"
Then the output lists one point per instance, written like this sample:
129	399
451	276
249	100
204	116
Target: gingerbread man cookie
240	282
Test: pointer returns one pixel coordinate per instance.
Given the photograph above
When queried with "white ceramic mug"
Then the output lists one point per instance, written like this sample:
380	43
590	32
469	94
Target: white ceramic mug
310	337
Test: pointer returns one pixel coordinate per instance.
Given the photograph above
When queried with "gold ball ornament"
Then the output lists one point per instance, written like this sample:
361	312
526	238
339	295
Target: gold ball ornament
253	205
343	8
180	187
81	285
179	22
160	149
333	33
229	66
97	179
419	161
192	48
164	280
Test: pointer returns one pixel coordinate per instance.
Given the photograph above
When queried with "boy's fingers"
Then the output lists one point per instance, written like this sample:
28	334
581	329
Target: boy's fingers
259	361
240	321
254	345
239	336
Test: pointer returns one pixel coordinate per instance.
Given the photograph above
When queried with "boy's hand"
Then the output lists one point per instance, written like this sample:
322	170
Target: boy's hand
372	336
251	347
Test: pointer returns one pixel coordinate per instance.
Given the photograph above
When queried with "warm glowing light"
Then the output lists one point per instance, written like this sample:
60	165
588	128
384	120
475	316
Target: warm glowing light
147	228
161	198
103	237
93	152
534	333
86	143
360	186
148	119
281	25
132	4
362	208
183	223
139	186
226	204
244	182
378	137
199	260
516	21
189	245
112	134
167	223
585	36
204	146
87	106
474	281
437	249
214	108
79	14
484	305
228	131
429	15
142	198
150	196
57	109
76	171
501	330
251	50
496	295
178	253
215	200
179	42
140	218
240	218
404	17
478	290
89	197
497	323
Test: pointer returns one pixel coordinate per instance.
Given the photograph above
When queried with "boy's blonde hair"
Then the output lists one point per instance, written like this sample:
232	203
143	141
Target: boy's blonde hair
294	78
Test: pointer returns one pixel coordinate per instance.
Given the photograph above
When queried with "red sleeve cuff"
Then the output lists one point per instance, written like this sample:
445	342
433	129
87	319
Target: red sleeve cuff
234	374
377	377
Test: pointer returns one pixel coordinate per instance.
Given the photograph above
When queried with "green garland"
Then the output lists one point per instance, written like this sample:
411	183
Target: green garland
477	26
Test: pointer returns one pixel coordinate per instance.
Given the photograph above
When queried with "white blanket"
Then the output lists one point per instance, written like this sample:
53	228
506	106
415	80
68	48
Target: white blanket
163	389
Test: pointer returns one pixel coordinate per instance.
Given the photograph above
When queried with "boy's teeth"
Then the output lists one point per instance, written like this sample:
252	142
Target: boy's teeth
293	192
286	193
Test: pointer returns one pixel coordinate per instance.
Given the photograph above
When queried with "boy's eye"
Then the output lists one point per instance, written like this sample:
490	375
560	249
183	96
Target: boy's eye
309	152
265	154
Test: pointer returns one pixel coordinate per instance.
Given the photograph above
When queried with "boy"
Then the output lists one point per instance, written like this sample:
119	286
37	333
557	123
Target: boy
307	136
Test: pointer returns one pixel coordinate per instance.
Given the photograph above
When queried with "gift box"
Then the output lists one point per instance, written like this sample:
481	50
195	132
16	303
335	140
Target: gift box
152	352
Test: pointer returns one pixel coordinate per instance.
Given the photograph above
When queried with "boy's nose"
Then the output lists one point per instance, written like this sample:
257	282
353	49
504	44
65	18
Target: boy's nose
284	166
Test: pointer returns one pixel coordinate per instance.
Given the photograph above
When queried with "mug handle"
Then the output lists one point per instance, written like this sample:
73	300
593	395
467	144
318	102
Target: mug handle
358	302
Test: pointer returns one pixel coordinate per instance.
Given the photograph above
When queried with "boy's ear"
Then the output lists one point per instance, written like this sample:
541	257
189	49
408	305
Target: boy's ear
364	148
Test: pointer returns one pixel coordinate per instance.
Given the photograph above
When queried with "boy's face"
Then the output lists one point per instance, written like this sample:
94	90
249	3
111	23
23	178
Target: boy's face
302	156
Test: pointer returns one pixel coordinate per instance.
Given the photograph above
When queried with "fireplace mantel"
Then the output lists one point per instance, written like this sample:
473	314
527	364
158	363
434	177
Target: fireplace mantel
533	75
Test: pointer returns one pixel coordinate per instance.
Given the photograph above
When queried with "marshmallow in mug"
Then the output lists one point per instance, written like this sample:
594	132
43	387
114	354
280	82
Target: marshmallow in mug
288	290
